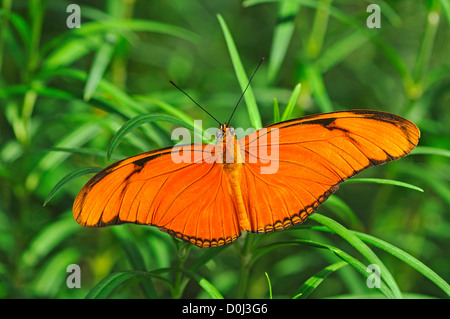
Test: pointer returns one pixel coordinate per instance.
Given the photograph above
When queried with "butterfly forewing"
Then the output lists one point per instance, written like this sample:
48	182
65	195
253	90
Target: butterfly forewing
191	200
316	154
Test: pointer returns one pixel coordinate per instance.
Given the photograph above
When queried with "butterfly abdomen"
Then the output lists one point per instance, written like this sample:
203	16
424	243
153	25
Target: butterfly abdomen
234	176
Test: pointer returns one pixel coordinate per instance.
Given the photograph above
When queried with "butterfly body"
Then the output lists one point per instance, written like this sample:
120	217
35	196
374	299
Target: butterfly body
270	180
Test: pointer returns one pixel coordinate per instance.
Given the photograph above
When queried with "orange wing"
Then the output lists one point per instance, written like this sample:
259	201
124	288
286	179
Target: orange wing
191	201
208	203
316	154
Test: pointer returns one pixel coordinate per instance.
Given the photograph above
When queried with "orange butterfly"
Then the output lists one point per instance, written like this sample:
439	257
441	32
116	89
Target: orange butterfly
210	202
214	194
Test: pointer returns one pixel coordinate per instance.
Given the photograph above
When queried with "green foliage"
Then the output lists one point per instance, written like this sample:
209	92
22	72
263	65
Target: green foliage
74	101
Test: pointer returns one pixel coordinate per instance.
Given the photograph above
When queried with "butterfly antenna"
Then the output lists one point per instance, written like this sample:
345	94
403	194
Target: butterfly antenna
195	102
242	95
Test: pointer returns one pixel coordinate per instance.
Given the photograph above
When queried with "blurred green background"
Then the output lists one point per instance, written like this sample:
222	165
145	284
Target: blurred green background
64	93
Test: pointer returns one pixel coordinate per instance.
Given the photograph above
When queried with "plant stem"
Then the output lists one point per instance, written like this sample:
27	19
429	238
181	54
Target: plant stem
244	270
183	250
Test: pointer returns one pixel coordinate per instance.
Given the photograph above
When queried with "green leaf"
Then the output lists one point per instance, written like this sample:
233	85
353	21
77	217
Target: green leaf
21	26
202	282
276	111
384	181
67	48
446	6
74	138
353	240
291	104
122	26
113	281
249	97
287	10
315	80
208	255
171	110
139	120
68	178
356	264
100	63
339	50
131	247
426	150
312	283
408	259
110	283
117	100
83	151
342	210
270	285
400	254
210	289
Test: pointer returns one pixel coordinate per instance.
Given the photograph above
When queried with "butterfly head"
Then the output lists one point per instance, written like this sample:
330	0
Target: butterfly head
225	131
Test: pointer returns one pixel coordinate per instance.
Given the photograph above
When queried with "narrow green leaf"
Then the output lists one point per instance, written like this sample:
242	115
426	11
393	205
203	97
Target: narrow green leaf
126	25
400	254
205	284
276	111
391	54
316	37
131	247
210	289
408	259
249	97
419	150
383	181
139	120
74	138
356	264
427	43
101	61
287	10
431	176
339	50
83	151
446	6
342	210
81	41
270	285
315	79
68	178
352	239
113	281
21	26
117	100
70	50
208	255
312	283
291	104
108	284
171	110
